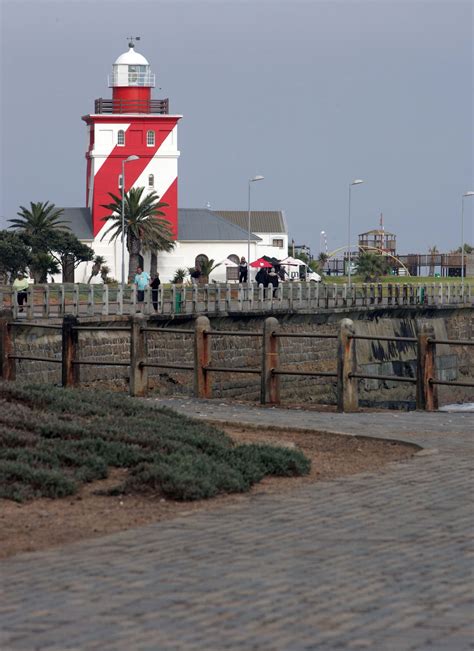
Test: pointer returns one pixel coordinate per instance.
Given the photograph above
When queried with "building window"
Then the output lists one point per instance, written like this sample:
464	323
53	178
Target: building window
151	180
121	138
278	243
150	138
120	181
234	258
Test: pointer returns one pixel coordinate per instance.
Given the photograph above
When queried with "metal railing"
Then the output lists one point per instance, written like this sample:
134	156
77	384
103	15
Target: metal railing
270	370
57	300
156	106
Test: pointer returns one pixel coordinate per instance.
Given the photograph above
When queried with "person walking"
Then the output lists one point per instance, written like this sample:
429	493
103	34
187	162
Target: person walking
243	270
20	285
273	280
141	281
155	284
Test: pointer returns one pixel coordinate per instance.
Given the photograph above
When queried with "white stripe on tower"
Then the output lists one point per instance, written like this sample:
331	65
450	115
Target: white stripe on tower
106	148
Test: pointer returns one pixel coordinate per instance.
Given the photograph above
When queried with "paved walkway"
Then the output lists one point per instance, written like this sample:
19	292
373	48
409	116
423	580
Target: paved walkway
374	561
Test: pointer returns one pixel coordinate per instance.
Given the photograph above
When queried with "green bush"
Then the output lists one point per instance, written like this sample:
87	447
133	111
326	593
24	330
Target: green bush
36	481
52	440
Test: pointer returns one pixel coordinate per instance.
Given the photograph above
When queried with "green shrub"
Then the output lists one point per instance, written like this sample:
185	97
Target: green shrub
53	439
41	481
186	477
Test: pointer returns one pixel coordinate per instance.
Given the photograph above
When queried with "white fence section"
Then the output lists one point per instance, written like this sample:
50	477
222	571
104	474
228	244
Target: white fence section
56	300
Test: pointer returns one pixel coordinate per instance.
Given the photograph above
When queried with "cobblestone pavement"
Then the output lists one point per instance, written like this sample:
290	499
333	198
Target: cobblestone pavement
374	561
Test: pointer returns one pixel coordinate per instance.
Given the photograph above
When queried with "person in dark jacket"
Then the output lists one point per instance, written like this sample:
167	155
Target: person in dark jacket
273	280
262	277
243	270
155	283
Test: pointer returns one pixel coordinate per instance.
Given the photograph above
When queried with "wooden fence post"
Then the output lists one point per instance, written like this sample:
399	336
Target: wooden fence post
70	337
30	302
202	357
347	389
7	365
138	385
270	383
426	393
105	299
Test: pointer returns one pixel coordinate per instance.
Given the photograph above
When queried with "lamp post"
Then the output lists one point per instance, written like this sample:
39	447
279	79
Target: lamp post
355	182
127	160
323	246
466	194
255	178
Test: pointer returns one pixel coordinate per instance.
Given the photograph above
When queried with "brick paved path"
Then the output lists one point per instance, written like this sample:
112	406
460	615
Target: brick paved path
374	561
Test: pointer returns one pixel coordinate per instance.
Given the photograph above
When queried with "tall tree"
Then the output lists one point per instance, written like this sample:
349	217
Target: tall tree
69	252
36	226
144	228
15	255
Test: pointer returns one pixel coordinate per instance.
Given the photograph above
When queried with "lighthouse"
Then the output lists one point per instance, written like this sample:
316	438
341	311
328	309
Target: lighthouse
130	124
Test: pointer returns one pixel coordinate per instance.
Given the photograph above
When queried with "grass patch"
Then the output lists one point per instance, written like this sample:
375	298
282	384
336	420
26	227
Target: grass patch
52	440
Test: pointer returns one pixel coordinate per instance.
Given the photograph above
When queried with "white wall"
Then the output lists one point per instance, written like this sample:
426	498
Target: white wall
183	256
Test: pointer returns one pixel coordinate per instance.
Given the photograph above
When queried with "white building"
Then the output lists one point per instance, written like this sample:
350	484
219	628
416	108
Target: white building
202	233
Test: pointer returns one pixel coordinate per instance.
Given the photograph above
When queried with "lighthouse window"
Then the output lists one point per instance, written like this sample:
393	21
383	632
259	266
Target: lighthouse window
151	180
136	75
150	138
121	138
120	181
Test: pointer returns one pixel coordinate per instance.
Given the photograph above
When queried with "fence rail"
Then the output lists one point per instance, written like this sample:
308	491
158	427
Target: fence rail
54	300
270	370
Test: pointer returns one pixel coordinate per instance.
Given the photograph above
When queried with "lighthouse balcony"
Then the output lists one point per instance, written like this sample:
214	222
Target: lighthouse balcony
126	105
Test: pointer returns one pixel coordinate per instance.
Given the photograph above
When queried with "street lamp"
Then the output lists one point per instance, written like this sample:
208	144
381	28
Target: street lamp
466	194
323	242
127	160
255	178
355	182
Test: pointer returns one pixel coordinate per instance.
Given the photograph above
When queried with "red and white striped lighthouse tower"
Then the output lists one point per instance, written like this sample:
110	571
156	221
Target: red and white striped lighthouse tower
131	123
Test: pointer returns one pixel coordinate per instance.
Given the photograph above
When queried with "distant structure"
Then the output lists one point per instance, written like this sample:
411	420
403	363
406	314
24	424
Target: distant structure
379	240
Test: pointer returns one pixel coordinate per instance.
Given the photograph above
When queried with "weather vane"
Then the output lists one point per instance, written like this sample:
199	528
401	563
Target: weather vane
131	40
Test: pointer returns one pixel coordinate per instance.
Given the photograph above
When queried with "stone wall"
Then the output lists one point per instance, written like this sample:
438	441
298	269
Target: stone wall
383	358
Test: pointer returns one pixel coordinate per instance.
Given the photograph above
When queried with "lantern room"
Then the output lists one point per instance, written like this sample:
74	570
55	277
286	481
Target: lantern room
131	69
131	81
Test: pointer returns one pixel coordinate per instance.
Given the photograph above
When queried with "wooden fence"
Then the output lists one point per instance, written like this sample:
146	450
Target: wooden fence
268	368
55	300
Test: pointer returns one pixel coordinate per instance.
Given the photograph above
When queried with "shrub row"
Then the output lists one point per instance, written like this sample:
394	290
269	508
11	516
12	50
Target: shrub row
54	439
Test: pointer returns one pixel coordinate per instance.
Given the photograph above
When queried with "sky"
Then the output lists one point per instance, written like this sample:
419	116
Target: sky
309	94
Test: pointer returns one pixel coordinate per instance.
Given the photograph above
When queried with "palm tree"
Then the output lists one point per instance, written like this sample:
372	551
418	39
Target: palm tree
433	250
36	226
39	221
206	268
371	266
98	262
143	227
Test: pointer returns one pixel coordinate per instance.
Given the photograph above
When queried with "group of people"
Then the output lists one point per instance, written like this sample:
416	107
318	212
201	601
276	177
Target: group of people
265	276
142	281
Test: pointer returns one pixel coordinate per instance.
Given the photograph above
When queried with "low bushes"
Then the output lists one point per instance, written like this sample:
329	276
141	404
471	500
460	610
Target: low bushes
52	440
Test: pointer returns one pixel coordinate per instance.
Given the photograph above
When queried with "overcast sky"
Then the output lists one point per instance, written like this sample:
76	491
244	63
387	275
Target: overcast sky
310	94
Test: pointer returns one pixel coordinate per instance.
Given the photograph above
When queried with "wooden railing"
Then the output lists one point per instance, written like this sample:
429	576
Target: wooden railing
269	369
55	300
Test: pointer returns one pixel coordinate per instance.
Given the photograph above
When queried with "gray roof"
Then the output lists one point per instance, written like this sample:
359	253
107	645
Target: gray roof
261	221
79	221
194	224
200	224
